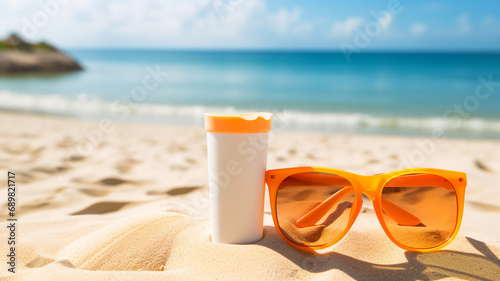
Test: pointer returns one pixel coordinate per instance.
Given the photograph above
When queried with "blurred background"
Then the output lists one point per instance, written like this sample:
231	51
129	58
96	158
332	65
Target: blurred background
382	67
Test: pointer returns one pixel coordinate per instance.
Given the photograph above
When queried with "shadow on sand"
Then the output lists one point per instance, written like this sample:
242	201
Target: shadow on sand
419	266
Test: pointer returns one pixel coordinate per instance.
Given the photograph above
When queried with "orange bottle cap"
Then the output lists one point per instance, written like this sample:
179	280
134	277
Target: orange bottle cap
246	123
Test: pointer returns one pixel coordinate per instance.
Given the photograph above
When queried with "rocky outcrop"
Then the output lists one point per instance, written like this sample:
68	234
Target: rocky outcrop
18	56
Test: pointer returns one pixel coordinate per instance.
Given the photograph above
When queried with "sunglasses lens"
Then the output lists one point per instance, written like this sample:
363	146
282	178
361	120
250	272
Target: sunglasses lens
313	208
420	210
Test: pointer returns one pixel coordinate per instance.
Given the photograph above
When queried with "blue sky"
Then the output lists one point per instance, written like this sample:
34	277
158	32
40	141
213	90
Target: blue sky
250	24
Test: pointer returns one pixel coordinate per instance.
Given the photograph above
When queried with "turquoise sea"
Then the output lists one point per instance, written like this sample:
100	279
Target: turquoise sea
377	92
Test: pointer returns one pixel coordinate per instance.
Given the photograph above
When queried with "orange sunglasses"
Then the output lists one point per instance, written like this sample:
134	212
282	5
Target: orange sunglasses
420	209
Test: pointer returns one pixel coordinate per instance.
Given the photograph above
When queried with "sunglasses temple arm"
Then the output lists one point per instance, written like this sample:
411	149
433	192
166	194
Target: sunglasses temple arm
313	216
399	215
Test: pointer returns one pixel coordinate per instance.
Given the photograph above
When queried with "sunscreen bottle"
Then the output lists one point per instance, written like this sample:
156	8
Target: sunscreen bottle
237	159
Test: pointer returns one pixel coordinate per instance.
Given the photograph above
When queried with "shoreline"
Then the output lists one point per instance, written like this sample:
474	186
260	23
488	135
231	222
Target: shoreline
197	122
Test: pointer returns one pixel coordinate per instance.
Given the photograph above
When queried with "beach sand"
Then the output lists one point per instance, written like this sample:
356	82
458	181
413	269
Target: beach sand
120	201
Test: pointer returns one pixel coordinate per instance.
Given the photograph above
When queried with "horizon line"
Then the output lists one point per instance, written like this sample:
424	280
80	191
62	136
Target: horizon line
283	50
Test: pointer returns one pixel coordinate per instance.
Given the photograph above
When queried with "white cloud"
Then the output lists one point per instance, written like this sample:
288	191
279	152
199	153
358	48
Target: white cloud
418	28
435	6
489	21
284	18
385	20
289	22
491	25
463	23
347	27
216	24
160	23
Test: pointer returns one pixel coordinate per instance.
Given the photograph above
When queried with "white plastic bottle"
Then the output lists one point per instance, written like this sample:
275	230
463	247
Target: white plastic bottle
237	160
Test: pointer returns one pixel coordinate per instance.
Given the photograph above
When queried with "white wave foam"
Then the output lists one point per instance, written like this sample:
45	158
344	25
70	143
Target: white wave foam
83	105
415	123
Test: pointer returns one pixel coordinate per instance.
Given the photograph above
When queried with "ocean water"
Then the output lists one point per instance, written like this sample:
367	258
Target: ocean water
383	93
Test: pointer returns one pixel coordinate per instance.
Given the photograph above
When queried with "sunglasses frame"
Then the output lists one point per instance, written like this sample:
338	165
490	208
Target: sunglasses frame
372	187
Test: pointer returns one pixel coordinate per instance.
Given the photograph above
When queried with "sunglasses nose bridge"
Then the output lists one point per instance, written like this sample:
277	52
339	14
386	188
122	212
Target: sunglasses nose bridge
368	186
